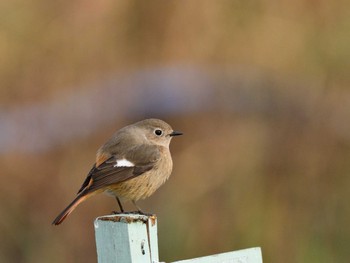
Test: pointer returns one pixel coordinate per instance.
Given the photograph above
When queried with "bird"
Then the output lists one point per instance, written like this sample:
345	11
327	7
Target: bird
130	166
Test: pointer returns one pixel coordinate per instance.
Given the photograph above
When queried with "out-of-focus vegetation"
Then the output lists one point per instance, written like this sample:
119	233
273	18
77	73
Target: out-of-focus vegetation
270	169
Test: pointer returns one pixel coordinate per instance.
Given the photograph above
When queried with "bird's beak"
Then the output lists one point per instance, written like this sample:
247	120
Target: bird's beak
175	133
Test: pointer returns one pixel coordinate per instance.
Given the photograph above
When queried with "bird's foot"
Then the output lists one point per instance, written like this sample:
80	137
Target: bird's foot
137	212
117	212
143	213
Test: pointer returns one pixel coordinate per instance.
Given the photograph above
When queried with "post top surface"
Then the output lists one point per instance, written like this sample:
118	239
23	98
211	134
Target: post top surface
128	218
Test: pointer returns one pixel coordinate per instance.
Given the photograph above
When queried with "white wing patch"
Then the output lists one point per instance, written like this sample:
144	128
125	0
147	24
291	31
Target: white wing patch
123	163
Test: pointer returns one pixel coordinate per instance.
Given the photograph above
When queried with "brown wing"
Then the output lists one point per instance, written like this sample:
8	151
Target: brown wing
143	157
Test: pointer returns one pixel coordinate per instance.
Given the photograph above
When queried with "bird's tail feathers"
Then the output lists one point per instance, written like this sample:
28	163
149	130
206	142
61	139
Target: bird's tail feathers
69	209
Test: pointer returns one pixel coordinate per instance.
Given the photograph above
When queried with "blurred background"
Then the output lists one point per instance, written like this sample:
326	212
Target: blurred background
260	89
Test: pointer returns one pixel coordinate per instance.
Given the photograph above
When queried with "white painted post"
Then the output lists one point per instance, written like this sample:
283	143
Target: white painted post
132	238
249	255
126	238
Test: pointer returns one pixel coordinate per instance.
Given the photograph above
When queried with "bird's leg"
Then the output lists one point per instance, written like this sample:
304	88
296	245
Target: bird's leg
138	208
120	206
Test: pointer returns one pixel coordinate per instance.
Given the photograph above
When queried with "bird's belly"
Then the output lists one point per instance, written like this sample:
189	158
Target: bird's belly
142	186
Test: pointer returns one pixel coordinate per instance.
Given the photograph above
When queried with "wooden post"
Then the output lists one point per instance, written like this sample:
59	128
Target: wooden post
132	238
249	255
126	238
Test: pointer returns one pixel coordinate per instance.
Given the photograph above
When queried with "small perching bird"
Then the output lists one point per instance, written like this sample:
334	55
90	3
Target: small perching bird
131	165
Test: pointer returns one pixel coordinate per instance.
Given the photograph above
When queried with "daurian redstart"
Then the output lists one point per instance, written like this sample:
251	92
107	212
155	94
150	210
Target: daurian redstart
131	165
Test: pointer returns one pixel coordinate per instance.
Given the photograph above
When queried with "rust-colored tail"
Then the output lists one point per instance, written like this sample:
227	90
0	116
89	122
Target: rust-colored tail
69	209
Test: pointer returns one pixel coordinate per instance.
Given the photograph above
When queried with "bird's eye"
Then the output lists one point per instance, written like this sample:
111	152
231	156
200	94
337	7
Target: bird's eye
158	132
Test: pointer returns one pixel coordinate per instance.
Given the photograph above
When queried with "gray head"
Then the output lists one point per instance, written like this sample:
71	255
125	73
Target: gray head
149	131
157	131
